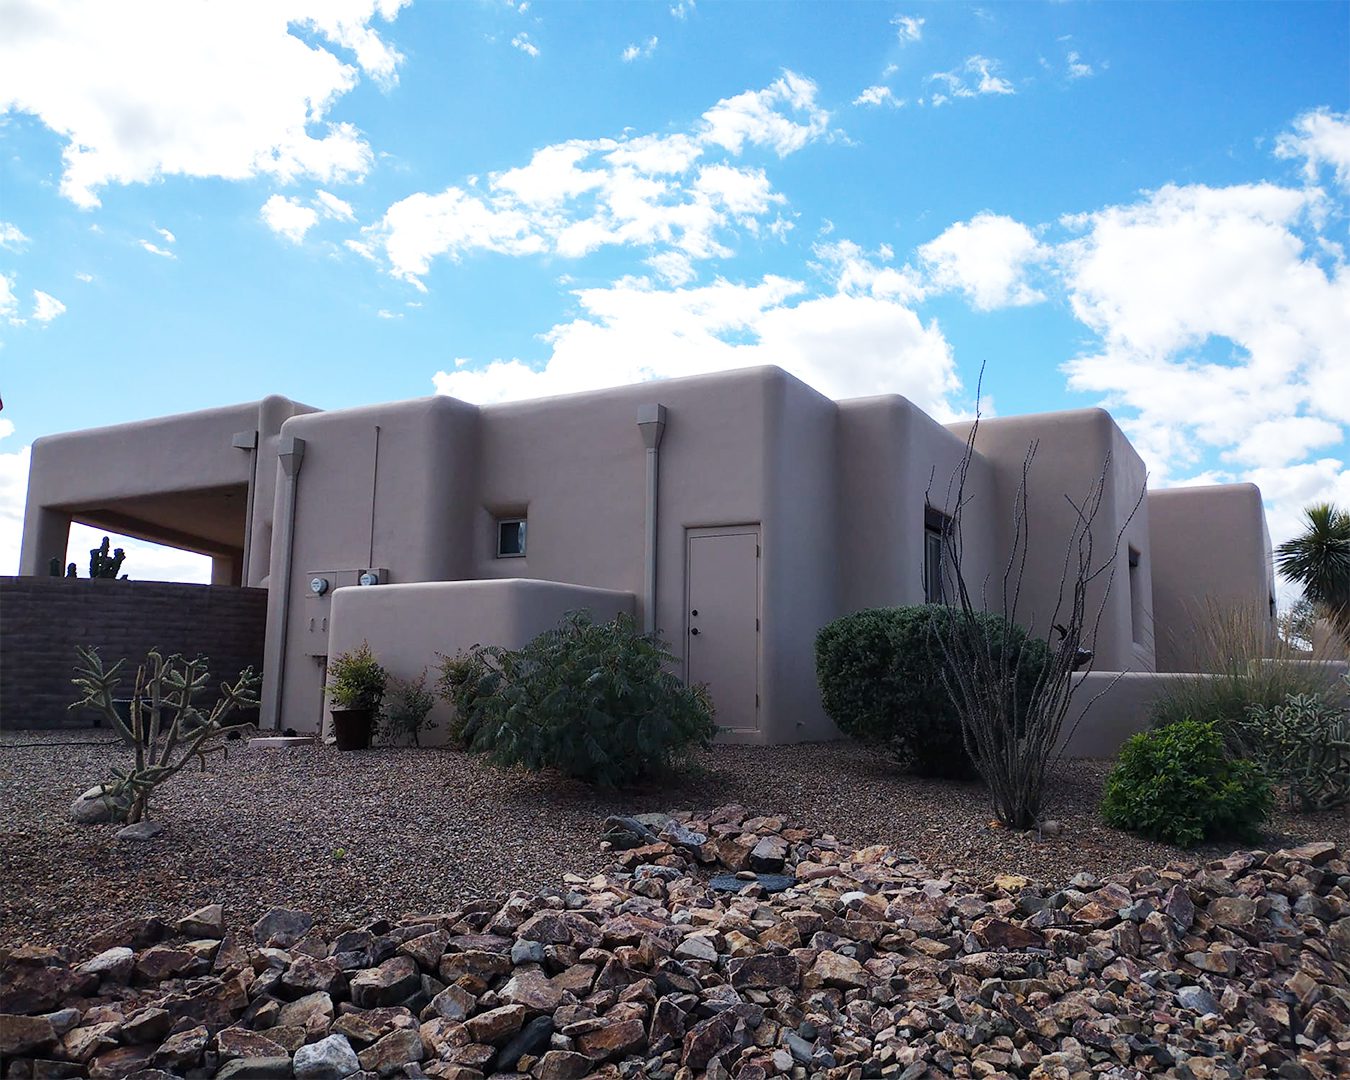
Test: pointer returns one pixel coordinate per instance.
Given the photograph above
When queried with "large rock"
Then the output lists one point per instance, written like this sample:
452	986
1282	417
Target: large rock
389	1054
282	927
94	807
331	1058
390	983
22	1034
205	922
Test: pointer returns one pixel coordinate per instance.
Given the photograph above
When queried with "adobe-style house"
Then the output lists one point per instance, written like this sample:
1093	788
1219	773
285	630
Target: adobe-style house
735	513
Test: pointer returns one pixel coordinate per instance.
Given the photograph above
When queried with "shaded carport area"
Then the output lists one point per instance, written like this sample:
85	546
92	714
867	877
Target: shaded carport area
210	521
188	481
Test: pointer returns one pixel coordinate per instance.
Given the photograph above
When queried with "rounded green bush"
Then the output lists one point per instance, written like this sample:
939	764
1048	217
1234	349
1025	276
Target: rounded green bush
1178	785
880	677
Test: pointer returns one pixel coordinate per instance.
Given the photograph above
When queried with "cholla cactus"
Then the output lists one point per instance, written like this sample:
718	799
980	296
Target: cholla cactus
167	729
1304	745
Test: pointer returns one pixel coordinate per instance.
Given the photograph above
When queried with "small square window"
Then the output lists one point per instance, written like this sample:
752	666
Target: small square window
511	538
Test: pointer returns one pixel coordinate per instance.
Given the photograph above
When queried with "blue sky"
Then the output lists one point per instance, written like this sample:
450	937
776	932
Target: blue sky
1137	205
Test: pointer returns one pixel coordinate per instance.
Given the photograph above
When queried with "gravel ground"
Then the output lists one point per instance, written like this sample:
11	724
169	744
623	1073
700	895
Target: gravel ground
389	831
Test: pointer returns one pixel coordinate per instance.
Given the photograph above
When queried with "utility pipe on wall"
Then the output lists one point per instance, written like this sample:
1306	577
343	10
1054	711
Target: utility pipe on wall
652	424
290	454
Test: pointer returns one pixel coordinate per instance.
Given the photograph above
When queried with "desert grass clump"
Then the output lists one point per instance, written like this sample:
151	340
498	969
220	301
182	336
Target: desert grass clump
1241	664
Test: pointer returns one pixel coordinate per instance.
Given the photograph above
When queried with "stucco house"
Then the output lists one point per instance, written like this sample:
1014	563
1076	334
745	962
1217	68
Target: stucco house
735	513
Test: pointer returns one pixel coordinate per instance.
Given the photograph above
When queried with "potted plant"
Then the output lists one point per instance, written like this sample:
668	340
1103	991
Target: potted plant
356	683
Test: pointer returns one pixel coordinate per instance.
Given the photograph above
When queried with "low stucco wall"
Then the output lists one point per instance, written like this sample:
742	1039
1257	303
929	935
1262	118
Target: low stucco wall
1110	706
407	626
42	619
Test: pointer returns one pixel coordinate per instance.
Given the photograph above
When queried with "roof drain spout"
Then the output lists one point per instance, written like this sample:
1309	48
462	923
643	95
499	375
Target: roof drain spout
652	424
290	454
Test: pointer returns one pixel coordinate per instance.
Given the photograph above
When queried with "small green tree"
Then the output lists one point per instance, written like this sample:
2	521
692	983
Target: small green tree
166	729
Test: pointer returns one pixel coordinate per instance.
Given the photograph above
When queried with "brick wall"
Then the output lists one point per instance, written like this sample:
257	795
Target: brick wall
42	619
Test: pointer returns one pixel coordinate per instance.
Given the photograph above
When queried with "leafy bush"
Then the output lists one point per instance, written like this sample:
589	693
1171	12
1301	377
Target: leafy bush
880	675
408	704
1177	784
1304	746
356	680
594	700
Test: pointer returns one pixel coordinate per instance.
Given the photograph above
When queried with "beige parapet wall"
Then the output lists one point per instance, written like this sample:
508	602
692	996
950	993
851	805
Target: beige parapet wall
1108	707
739	512
409	627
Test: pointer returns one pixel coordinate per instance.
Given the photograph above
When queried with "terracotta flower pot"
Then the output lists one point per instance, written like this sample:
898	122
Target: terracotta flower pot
351	728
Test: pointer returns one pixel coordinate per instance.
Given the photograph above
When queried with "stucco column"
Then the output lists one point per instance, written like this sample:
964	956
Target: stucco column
290	454
46	534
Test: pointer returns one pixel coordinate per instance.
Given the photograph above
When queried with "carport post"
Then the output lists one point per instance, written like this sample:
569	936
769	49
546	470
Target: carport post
290	454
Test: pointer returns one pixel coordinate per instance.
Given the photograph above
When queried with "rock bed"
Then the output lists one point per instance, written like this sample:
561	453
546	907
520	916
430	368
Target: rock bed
802	956
352	836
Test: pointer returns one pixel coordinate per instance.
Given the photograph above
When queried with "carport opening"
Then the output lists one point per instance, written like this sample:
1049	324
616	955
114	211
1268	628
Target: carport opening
145	561
191	536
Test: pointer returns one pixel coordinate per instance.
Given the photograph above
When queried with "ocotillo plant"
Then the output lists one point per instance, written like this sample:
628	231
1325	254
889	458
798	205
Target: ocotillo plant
167	729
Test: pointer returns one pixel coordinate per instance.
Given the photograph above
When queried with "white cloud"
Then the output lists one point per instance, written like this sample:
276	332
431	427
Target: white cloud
987	258
682	9
82	276
977	76
333	207
46	307
288	217
878	95
385	313
675	192
782	117
1076	67
155	88
1218	331
155	249
907	28
842	344
9	302
169	237
640	52
522	42
11	237
1321	138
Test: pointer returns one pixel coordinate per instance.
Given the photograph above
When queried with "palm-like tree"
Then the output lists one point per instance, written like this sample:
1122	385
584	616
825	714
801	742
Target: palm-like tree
1319	560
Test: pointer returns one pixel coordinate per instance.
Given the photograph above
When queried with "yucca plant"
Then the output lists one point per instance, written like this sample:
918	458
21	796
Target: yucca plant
1319	560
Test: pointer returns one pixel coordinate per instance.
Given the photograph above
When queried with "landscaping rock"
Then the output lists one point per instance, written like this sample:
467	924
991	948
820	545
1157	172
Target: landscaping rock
93	807
205	922
142	830
331	1058
282	927
866	964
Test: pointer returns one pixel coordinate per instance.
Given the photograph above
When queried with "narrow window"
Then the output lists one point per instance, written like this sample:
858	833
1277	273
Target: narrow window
935	523
511	538
1136	600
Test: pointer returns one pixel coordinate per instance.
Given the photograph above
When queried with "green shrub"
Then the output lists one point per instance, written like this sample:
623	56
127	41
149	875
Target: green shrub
356	680
1177	784
880	676
408	704
1304	747
596	701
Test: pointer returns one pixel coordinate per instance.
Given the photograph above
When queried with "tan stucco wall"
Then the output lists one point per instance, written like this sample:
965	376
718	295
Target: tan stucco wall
1071	450
1211	553
409	626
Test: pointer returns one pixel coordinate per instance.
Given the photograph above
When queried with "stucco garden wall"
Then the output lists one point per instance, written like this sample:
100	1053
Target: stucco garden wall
42	619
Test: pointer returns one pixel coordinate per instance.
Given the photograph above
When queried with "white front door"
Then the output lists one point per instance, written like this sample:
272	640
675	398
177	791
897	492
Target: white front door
722	620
